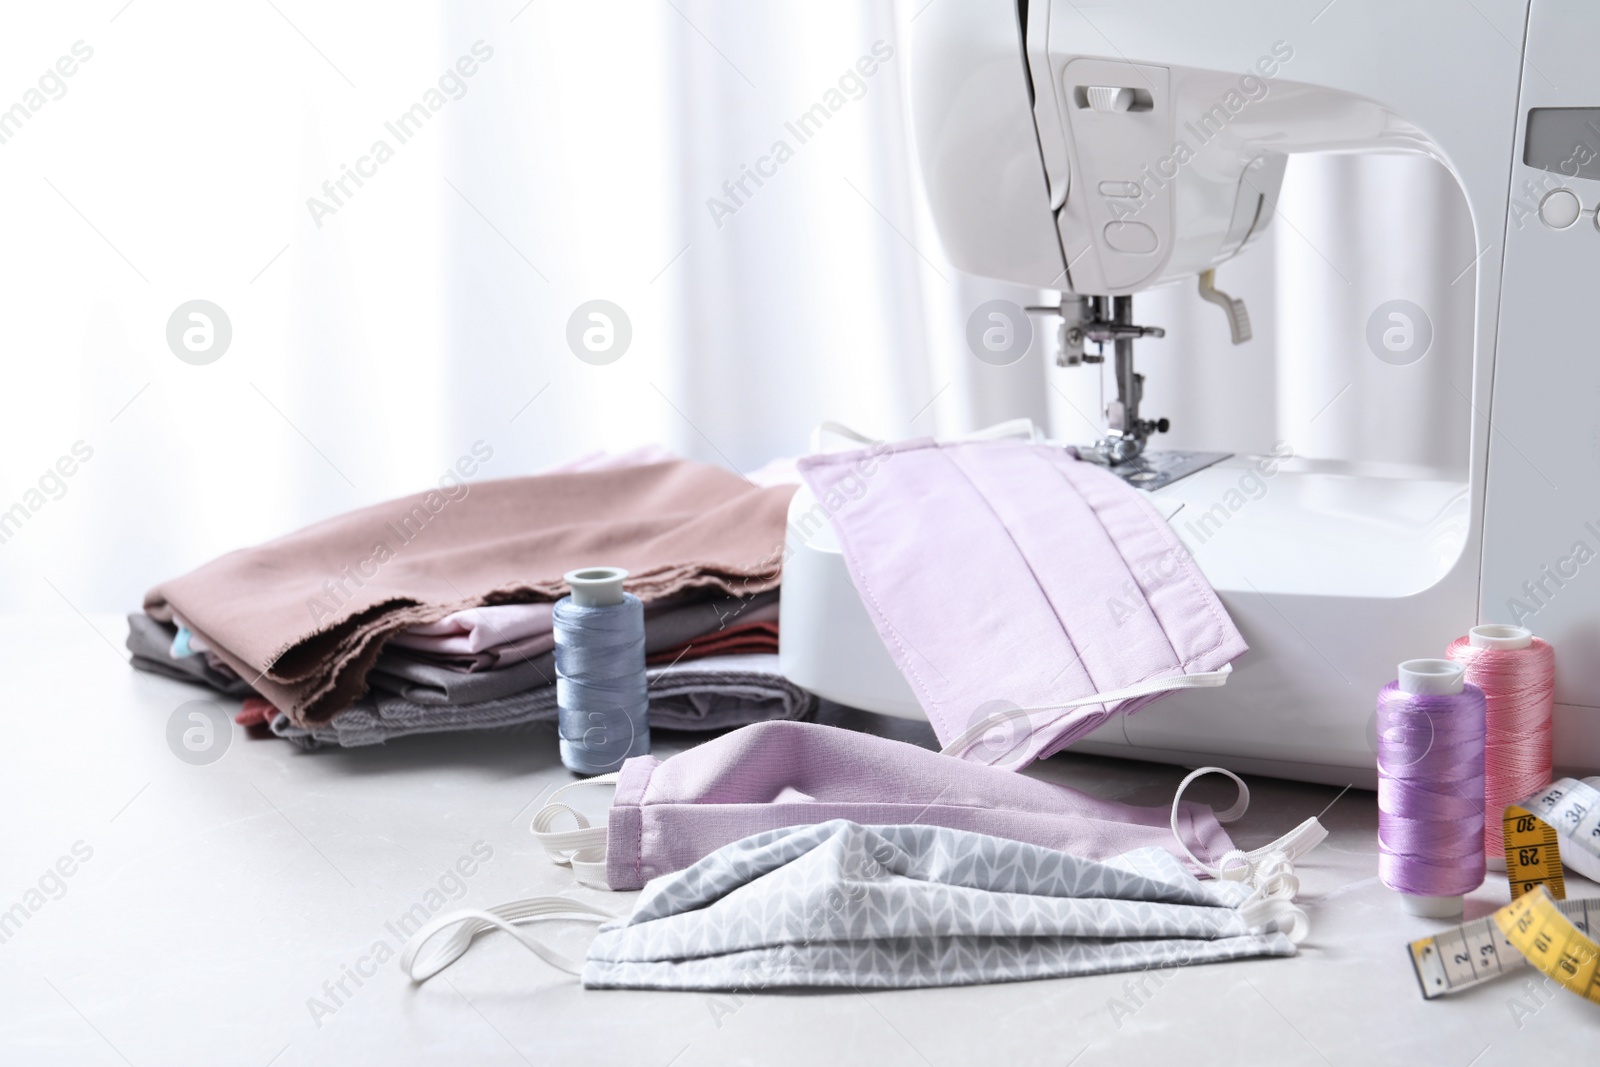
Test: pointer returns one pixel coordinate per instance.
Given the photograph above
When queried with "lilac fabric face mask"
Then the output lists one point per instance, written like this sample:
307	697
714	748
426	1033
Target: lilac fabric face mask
668	815
1026	595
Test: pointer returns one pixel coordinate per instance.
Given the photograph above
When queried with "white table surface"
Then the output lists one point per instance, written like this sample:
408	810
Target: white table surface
219	899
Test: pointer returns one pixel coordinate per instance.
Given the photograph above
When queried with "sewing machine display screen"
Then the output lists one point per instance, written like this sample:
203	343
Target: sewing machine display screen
1565	140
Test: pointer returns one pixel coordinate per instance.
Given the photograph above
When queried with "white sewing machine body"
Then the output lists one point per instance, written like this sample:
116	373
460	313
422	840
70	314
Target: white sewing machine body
1052	159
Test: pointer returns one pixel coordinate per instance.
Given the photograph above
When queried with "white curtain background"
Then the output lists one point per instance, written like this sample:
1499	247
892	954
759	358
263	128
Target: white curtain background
429	311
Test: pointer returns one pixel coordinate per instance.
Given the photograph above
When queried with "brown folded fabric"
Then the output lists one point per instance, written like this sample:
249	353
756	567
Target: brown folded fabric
757	637
303	618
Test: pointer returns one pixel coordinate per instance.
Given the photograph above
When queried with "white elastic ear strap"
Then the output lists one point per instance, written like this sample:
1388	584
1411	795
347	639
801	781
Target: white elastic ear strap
1270	869
583	849
838	429
469	923
1021	428
1288	919
975	733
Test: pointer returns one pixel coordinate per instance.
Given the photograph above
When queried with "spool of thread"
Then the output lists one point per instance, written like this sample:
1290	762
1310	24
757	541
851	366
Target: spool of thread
1517	673
1430	787
600	682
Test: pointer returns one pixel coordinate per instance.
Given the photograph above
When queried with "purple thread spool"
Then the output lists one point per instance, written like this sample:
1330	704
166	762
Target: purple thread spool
1431	787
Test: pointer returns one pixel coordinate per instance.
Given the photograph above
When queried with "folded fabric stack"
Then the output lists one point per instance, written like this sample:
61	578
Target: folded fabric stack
434	612
159	648
715	693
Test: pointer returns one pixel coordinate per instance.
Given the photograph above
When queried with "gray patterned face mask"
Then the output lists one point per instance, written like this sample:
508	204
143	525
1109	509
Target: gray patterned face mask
894	907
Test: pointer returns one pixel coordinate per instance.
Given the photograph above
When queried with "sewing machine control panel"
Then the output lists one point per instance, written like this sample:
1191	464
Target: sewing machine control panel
1563	141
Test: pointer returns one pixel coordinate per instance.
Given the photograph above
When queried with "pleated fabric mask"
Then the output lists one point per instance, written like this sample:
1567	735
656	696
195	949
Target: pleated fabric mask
838	904
1026	595
669	814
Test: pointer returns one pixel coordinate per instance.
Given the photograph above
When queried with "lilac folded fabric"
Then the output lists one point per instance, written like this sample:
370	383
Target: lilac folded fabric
1010	574
669	814
479	629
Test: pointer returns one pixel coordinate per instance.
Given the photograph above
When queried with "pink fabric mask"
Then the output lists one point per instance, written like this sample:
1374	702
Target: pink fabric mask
1026	595
667	815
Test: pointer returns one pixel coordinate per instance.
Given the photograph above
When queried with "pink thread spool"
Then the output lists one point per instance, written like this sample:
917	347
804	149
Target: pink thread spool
1516	672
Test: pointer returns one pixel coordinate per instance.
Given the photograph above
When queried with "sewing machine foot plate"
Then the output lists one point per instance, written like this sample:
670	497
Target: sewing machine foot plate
1154	469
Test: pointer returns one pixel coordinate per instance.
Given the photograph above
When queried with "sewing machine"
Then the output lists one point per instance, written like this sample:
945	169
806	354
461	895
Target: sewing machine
1152	148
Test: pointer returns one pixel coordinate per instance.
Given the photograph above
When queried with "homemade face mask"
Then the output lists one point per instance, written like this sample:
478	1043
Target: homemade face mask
1027	596
667	815
894	907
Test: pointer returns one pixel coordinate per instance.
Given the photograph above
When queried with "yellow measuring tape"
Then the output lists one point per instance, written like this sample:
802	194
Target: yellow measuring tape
1533	854
1569	811
1537	928
1480	951
1550	941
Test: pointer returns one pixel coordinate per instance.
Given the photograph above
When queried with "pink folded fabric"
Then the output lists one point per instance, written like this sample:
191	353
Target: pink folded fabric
490	659
480	629
303	618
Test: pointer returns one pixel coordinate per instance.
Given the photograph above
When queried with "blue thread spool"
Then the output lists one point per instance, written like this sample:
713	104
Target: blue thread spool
600	681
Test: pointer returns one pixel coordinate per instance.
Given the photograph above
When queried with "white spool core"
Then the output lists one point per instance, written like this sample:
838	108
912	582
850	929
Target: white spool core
1498	635
596	587
1431	677
1431	907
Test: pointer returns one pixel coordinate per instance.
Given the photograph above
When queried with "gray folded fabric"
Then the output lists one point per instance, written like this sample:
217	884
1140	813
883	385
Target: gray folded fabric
423	682
715	693
151	643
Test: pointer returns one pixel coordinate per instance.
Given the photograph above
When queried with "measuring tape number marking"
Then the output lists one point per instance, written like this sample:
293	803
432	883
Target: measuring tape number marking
1479	951
1570	808
1552	942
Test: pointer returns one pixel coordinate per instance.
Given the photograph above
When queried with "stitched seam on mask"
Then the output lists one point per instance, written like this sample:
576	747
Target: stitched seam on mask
1026	562
865	588
1207	595
1177	659
638	850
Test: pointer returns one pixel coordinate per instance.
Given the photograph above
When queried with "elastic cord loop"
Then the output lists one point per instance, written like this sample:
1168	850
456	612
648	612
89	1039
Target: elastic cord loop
1234	865
975	733
1021	428
471	922
583	849
838	429
1270	865
1290	920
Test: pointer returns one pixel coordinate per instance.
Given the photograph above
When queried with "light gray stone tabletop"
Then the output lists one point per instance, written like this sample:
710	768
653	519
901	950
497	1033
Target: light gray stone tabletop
244	911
